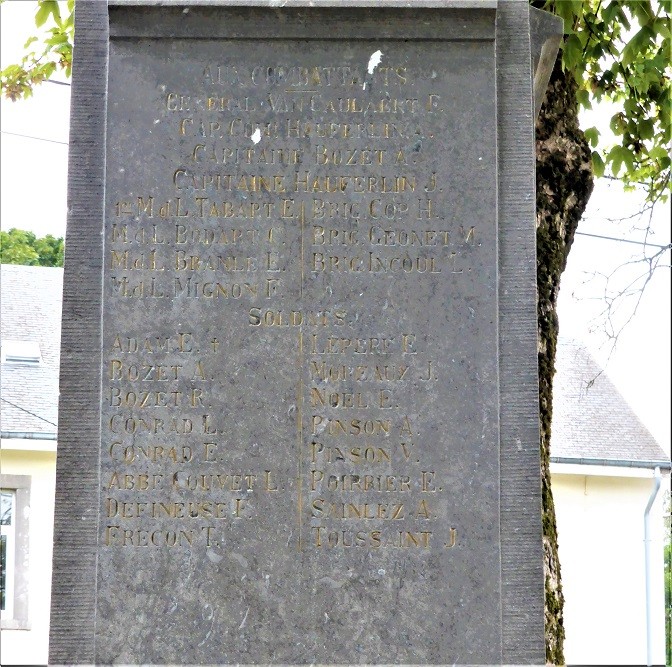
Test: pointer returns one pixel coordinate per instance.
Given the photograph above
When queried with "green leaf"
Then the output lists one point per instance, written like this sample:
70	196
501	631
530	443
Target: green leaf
566	11
617	124
637	45
583	98
58	38
610	12
661	25
646	129
56	13
571	52
657	153
620	155
593	135
42	14
598	164
577	7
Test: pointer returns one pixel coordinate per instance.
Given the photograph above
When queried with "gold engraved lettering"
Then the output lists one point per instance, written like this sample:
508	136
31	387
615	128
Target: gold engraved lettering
423	510
427	482
269	484
173	510
384	399
429	373
272	285
307	182
357	427
298	129
353	157
181	343
404	238
213	481
342	345
139	482
175	102
120	233
118	370
356	455
432	104
294	318
359	483
453	539
375	539
392	210
209	451
405	428
183	125
346	210
189	287
154	453
335	399
145	399
146	207
118	536
227	263
408	344
126	424
140	289
324	372
322	236
321	508
425	209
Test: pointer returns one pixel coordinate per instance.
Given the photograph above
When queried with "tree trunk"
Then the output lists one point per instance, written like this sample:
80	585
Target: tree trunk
564	184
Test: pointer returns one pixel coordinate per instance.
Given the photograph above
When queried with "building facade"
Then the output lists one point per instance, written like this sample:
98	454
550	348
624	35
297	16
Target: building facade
30	330
603	468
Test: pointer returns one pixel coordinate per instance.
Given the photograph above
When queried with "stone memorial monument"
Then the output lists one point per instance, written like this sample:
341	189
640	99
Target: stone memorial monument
298	419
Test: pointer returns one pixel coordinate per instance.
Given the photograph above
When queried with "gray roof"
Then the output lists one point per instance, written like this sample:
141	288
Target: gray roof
591	419
30	310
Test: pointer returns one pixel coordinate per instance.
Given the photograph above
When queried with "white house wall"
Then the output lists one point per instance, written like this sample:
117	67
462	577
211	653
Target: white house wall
31	646
601	547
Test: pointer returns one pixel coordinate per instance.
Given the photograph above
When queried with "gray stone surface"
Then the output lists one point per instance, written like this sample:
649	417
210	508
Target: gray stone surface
315	438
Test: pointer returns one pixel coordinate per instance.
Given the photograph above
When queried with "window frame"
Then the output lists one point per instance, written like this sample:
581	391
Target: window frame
8	536
18	607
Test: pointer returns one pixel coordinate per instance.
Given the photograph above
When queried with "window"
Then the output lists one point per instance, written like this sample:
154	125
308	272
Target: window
20	352
7	548
14	561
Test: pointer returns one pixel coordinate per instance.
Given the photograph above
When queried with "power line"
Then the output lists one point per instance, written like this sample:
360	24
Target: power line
595	236
58	83
28	136
613	238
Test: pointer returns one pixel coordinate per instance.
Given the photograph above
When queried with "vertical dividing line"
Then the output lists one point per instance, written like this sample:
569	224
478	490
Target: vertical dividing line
302	222
299	424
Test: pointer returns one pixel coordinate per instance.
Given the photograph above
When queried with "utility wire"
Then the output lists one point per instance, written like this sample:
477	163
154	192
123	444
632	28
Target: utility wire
18	407
27	136
595	236
613	238
58	83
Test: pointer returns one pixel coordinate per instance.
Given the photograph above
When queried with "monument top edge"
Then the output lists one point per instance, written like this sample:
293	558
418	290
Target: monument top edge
280	4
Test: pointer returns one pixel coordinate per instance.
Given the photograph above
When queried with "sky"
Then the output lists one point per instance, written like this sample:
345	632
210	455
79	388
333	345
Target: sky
33	188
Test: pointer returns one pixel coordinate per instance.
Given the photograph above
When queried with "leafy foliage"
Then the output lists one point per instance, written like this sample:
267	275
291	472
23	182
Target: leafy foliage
20	247
44	55
620	51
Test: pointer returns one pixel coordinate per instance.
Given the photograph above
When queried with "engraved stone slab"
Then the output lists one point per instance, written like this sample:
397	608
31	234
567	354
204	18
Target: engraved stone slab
306	431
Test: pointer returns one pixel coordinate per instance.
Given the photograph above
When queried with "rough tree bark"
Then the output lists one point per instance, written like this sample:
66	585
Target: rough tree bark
564	184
